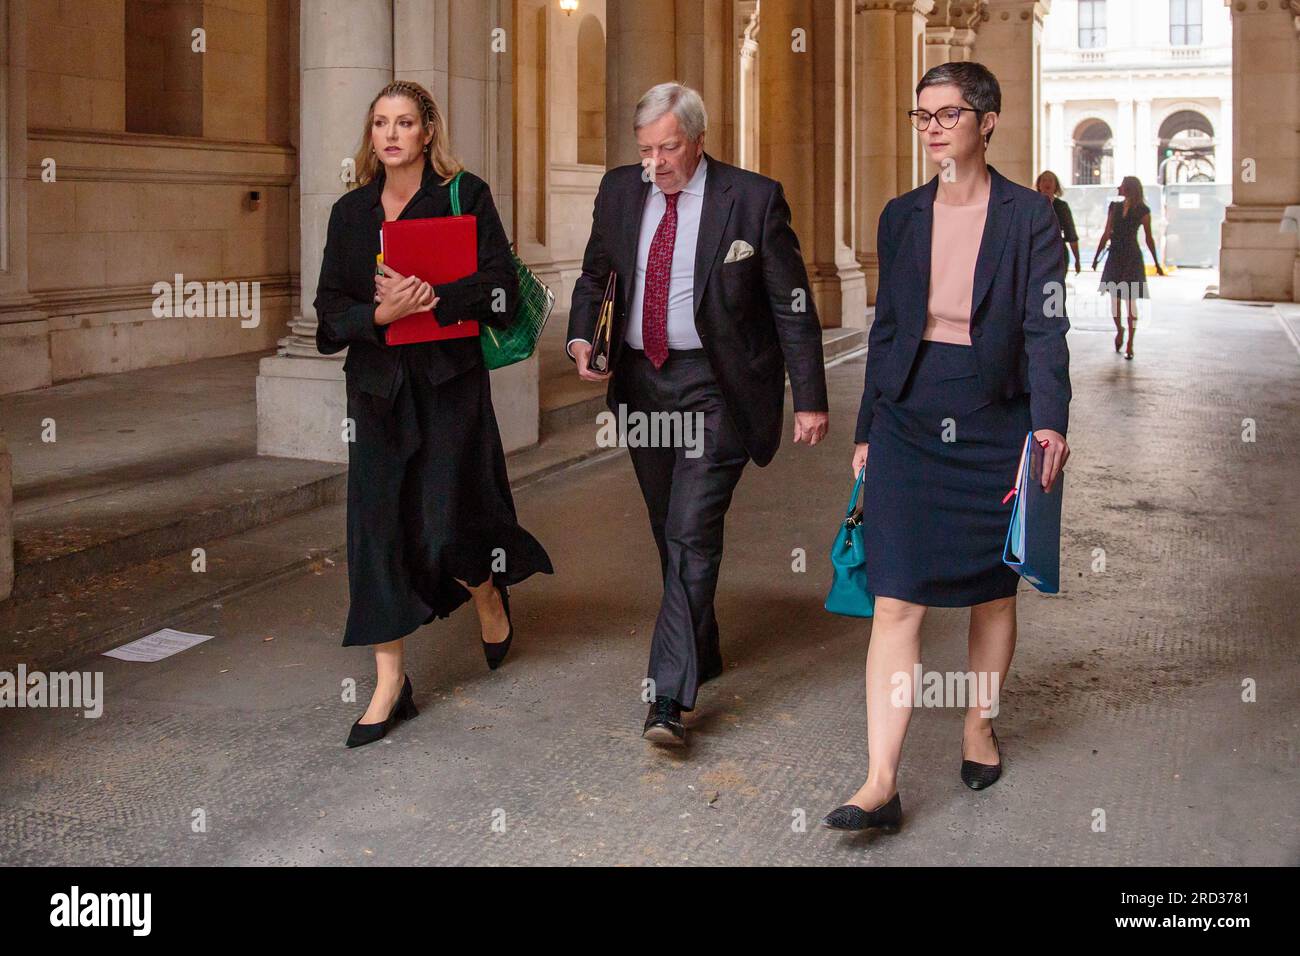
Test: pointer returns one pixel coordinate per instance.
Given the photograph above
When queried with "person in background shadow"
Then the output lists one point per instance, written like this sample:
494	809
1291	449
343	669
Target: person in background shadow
964	358
714	306
1050	186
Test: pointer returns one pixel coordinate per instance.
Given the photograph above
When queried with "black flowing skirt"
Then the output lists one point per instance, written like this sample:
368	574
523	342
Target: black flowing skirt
933	515
428	502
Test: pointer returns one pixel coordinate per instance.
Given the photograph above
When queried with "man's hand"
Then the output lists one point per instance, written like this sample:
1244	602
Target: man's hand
1055	452
811	426
859	458
581	353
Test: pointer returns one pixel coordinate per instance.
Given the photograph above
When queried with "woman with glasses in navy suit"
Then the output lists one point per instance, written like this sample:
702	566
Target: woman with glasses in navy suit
966	355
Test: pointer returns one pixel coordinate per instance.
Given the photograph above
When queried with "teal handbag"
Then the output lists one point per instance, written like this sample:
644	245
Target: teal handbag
849	592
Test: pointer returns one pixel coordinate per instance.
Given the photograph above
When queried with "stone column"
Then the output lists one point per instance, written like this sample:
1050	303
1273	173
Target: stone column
641	50
1144	143
476	37
346	57
909	67
938	45
1223	162
1256	260
1125	160
748	96
1058	153
804	143
24	328
1010	41
963	42
875	151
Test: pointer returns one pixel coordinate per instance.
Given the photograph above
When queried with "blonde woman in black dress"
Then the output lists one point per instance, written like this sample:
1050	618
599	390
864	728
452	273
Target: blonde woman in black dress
431	522
1125	274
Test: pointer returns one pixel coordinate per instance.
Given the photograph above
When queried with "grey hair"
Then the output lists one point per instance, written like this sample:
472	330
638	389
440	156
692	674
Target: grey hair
682	101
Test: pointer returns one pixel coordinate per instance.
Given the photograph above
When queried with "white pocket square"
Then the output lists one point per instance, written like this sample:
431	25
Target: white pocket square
740	249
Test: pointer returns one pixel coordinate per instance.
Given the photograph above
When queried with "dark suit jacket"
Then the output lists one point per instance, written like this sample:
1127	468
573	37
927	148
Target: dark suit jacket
745	311
345	294
1019	346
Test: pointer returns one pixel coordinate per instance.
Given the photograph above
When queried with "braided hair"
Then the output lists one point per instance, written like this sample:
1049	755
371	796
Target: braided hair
437	151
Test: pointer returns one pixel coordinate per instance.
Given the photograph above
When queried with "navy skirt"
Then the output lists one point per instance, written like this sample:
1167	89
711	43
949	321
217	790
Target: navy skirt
941	459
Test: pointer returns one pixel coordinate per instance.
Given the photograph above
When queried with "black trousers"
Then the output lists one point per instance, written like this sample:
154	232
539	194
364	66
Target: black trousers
687	490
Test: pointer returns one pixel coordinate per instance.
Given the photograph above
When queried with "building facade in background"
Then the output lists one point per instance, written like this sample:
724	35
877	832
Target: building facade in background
205	141
1138	88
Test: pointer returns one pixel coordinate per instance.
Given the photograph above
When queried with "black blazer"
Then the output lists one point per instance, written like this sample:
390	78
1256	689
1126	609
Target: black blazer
1016	331
345	293
745	311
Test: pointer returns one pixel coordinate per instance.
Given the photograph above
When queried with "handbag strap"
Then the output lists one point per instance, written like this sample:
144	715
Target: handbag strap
455	194
855	506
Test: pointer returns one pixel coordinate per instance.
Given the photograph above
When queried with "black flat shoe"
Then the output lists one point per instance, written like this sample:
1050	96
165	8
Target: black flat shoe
496	653
663	724
403	709
887	817
977	776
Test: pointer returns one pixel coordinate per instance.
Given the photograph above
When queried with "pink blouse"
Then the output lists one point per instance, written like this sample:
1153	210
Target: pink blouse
954	247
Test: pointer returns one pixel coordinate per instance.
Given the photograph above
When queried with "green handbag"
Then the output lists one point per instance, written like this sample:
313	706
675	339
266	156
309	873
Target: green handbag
502	347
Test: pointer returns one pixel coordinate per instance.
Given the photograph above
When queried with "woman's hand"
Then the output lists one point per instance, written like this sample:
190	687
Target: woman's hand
1055	453
1159	271
404	297
859	458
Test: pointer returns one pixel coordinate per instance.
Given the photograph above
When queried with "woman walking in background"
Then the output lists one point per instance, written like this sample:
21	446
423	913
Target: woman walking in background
1125	274
1050	186
964	359
431	522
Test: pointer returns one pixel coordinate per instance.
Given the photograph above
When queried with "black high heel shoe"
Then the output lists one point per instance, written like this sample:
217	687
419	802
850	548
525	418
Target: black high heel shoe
887	817
977	776
403	709
496	653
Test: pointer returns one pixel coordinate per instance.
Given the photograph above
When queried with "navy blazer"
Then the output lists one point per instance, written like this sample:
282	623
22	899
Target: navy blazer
1018	320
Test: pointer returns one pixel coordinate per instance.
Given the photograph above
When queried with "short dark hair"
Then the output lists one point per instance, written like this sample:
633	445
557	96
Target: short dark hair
979	87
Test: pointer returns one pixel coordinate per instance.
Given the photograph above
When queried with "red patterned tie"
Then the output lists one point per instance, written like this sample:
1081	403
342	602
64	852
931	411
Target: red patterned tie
658	270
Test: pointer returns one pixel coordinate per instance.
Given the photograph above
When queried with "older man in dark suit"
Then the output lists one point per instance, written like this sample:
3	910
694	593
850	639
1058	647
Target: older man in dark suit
712	307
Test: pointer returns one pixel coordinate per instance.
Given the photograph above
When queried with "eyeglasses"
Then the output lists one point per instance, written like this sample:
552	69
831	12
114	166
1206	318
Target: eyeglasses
947	117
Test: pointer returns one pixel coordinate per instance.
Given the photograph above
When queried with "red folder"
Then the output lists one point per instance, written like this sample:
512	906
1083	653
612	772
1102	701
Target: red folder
438	250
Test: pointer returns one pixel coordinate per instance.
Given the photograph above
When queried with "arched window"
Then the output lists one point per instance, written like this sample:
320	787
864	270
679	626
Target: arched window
591	91
1093	153
1186	150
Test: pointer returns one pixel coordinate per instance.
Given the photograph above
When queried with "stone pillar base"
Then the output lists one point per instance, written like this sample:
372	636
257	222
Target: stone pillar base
25	347
301	404
841	297
1257	260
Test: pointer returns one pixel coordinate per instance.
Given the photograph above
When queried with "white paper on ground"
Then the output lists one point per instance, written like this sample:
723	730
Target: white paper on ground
156	646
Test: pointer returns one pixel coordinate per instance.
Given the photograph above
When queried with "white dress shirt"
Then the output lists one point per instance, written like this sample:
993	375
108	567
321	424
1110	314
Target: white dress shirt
681	283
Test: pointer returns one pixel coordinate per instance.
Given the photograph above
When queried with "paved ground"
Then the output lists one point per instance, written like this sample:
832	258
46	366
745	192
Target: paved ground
1125	695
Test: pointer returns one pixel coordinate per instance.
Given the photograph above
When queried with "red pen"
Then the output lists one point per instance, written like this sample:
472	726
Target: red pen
1015	489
